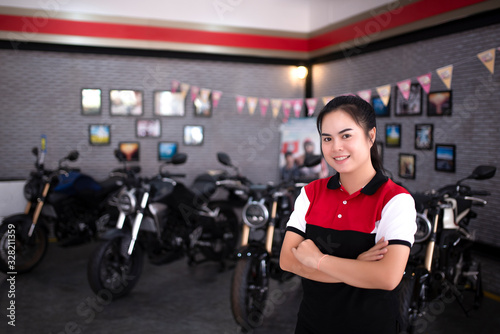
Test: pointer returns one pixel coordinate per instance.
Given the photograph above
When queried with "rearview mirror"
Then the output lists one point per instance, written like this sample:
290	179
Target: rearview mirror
224	159
483	172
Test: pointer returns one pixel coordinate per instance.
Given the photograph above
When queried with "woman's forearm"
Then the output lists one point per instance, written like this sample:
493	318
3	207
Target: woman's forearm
384	274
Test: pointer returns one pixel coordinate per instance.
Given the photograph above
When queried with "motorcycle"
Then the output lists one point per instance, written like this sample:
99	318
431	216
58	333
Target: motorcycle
164	219
265	216
441	268
63	202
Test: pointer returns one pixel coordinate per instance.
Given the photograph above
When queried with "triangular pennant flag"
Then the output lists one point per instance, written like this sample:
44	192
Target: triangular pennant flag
216	95
327	99
365	95
276	106
287	106
311	105
205	94
425	81
445	73
175	85
252	104
404	88
240	103
184	89
194	92
264	104
384	92
488	59
297	106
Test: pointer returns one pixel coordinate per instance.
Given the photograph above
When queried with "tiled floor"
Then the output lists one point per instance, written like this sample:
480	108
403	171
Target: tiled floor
56	298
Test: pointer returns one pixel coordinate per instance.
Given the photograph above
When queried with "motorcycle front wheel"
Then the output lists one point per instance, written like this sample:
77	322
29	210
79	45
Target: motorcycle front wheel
249	287
18	252
111	271
407	305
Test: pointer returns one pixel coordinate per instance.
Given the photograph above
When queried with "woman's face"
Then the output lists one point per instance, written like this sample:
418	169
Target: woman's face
345	146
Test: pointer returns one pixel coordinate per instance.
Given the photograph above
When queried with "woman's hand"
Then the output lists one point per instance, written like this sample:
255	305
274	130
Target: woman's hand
307	253
375	253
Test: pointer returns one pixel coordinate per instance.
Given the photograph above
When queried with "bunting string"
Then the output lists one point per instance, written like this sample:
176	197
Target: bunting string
287	105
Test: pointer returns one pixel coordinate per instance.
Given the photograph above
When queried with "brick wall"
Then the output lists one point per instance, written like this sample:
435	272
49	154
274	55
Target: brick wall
40	94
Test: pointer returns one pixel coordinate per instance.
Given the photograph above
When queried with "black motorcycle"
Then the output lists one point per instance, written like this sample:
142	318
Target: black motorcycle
265	216
165	220
441	268
63	202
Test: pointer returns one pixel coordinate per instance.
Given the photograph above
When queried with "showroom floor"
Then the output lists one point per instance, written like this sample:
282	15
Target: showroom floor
56	298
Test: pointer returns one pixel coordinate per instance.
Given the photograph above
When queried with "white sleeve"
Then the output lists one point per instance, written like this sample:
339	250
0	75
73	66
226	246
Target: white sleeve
398	221
297	221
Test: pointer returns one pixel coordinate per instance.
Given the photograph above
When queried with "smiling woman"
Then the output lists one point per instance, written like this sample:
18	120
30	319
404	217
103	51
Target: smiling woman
352	231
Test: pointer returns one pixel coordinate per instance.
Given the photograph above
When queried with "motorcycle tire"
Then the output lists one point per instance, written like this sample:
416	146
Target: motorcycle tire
249	288
27	252
406	295
110	271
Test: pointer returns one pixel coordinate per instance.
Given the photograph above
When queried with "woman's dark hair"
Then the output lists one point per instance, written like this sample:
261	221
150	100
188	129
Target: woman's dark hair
361	112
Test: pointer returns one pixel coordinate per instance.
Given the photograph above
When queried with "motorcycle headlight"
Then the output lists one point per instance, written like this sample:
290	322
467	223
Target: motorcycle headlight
31	190
255	214
423	228
127	201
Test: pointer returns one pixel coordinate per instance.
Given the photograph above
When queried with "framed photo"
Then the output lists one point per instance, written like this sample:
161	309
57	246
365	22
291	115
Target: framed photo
193	135
393	135
445	158
424	136
439	103
202	106
167	149
125	102
412	106
99	134
130	150
381	110
148	128
91	101
168	103
407	165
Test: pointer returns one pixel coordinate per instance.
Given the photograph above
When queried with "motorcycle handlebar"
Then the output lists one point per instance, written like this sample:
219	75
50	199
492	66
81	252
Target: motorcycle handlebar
480	193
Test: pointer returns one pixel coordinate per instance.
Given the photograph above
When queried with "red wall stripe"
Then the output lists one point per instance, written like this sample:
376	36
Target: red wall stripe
411	13
25	24
372	26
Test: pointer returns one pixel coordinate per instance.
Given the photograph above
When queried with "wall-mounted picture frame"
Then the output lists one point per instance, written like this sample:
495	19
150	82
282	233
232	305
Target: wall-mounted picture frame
393	135
439	103
167	103
202	106
125	102
424	134
148	128
381	110
167	149
412	106
407	165
130	150
193	135
99	134
91	101
444	160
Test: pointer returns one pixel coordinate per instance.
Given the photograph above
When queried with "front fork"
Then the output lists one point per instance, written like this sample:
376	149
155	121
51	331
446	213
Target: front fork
270	229
38	209
137	222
